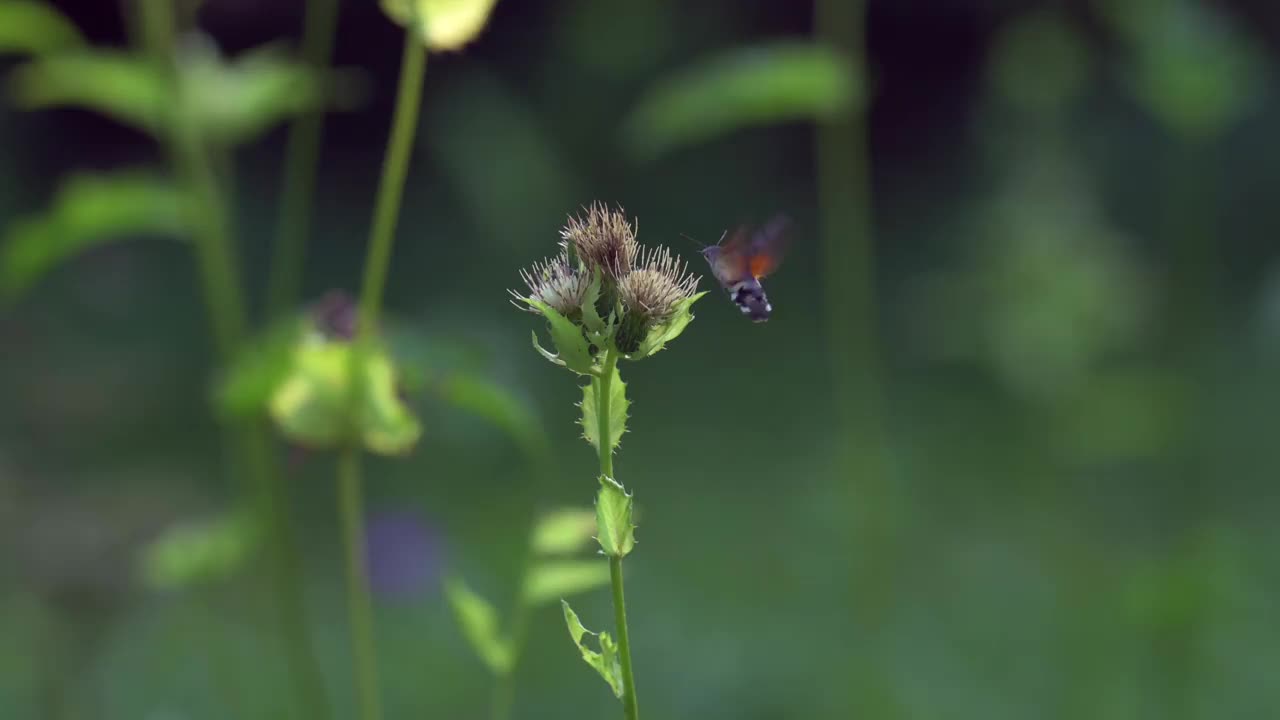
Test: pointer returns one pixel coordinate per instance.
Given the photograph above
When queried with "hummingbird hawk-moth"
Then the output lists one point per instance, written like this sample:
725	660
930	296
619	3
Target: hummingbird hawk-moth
742	259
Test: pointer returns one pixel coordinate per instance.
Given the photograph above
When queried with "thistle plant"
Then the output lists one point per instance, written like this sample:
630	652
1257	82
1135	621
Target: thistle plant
606	299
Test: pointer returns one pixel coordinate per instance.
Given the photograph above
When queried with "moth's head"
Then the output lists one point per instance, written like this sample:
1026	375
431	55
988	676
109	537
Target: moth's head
711	252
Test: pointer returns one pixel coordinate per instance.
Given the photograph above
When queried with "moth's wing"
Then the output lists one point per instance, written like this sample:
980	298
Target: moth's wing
730	261
768	246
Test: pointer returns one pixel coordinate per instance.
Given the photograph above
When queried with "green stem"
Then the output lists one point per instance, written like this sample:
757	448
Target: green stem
395	168
629	703
225	303
301	160
359	601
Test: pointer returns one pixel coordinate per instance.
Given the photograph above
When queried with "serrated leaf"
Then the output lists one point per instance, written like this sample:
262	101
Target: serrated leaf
27	26
744	87
260	366
614	526
660	335
199	552
565	531
497	405
617	410
89	210
441	24
572	350
479	624
606	661
558	578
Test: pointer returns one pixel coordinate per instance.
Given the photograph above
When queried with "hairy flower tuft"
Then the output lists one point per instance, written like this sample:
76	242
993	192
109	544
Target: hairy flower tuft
557	283
655	289
603	240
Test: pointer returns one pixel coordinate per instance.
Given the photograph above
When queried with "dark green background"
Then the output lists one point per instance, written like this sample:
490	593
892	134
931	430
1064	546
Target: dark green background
1079	323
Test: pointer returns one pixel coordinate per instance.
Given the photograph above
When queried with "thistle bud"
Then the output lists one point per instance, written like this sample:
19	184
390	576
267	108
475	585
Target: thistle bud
603	241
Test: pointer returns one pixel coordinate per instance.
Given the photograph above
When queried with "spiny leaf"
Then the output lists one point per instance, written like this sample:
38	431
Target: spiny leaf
605	662
616	531
572	350
660	335
564	531
441	24
558	578
27	26
590	316
749	86
479	623
618	405
87	211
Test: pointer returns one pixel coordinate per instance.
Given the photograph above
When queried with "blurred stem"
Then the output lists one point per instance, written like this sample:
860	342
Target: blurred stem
359	601
301	162
224	299
843	181
629	702
395	169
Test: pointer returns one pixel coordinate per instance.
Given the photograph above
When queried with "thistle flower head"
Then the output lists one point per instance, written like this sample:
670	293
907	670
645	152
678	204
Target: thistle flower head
655	289
602	240
651	294
556	283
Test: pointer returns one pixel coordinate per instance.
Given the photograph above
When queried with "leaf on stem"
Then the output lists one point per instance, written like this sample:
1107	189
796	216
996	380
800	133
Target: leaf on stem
618	405
28	26
572	349
616	531
744	87
200	552
558	578
660	335
479	623
606	661
89	210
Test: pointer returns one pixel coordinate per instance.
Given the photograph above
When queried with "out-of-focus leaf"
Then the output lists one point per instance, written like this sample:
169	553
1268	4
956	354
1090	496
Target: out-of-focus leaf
89	210
441	24
572	349
1039	64
564	531
236	100
606	661
230	101
387	425
493	403
258	369
613	519
125	87
312	404
557	579
1194	70
199	552
29	26
660	335
740	88
479	623
617	411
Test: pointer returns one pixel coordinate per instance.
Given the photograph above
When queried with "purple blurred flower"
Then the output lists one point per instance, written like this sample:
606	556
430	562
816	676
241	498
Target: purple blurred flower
403	553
